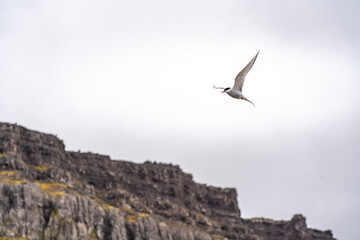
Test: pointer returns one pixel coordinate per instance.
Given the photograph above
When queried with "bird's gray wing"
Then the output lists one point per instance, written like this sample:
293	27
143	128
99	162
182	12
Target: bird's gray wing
240	78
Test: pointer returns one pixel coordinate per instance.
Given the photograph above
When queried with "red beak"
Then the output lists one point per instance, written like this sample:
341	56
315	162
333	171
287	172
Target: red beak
223	91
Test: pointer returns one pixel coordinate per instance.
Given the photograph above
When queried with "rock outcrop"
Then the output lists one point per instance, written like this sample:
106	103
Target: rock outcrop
49	193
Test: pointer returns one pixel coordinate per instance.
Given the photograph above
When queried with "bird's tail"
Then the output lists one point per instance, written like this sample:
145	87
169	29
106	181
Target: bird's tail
248	101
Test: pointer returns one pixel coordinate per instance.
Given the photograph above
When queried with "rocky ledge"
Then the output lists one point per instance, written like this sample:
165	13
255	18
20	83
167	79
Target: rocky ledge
50	193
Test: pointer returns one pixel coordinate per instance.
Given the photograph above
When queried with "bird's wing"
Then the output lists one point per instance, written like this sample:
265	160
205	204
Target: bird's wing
218	87
240	78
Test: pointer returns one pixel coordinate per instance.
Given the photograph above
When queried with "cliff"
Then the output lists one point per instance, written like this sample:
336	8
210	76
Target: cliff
50	193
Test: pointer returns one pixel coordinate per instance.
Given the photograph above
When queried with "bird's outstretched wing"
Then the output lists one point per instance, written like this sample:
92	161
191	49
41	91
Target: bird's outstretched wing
240	78
218	87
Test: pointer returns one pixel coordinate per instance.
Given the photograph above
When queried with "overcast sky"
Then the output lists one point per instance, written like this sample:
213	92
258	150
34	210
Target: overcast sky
133	80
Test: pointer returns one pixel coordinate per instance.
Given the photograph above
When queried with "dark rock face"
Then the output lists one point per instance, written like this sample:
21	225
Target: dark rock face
49	193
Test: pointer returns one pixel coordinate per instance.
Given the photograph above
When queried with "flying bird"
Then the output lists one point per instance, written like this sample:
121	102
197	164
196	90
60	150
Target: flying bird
236	90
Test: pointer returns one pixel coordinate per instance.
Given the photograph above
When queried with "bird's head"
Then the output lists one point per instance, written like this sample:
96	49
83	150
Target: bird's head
226	89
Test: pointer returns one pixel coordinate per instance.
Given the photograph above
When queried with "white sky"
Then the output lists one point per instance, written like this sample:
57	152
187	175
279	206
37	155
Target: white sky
133	80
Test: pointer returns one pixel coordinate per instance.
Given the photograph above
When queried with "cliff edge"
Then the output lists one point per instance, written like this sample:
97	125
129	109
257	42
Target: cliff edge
50	193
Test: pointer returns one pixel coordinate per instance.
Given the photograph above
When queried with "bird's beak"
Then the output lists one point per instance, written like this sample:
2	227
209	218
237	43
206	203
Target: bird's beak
223	91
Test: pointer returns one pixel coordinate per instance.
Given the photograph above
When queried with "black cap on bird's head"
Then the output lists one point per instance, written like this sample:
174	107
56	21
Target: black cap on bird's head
225	89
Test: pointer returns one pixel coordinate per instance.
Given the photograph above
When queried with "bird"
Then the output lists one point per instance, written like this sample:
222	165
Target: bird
236	90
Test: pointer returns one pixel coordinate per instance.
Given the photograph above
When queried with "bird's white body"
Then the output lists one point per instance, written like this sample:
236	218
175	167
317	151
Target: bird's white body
236	90
232	92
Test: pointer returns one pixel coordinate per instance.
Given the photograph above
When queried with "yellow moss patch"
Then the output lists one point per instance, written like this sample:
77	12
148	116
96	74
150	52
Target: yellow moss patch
217	237
9	238
98	200
134	218
13	181
53	189
40	167
126	209
2	155
131	218
143	215
10	177
93	235
58	194
51	186
107	206
7	173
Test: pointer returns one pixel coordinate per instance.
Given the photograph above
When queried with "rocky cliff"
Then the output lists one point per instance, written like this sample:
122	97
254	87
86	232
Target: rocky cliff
49	193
